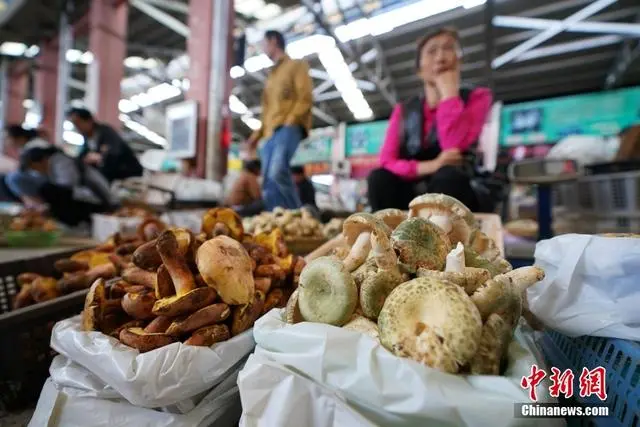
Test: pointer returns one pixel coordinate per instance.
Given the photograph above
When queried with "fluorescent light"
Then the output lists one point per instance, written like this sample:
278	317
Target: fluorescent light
163	92
252	122
86	58
186	84
73	55
32	51
127	106
73	138
150	63
13	48
236	72
268	11
135	62
28	103
312	44
256	63
67	125
176	82
237	106
322	179
468	4
142	130
248	7
142	99
354	30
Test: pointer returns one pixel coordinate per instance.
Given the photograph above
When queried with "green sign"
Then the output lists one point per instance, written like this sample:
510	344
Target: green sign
315	149
365	138
547	121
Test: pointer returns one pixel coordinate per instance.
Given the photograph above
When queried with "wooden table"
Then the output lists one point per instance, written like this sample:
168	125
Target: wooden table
8	254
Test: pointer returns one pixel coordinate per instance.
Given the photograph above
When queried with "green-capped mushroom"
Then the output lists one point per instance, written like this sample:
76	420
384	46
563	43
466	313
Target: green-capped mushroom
447	212
420	244
391	217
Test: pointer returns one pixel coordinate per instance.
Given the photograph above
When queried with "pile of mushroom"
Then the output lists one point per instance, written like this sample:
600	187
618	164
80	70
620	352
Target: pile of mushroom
295	224
333	228
197	289
83	268
429	285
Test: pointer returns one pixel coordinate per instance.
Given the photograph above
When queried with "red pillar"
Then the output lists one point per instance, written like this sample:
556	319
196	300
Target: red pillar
199	48
17	92
46	85
108	43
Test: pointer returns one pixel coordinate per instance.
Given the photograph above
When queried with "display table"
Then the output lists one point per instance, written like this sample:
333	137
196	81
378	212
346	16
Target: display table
65	244
543	174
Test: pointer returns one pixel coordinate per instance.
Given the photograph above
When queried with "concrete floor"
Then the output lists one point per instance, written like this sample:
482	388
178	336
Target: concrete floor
16	419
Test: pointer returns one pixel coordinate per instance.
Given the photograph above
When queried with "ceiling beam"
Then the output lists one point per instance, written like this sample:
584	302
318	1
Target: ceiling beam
580	61
563	48
172	5
162	17
323	75
324	116
626	56
550	32
579	27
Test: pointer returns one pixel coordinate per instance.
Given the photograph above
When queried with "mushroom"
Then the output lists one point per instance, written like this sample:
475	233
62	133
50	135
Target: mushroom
26	278
469	280
391	217
150	228
164	285
44	289
326	292
138	276
226	216
209	335
274	241
243	316
272	300
363	325
455	259
498	266
377	285
23	298
420	244
484	246
147	257
83	279
143	341
139	305
70	266
431	321
97	307
368	268
447	212
214	313
159	325
226	267
503	293
496	335
188	298
292	309
357	230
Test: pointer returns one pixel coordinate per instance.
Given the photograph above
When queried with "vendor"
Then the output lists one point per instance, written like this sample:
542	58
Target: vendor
429	136
306	191
245	195
104	148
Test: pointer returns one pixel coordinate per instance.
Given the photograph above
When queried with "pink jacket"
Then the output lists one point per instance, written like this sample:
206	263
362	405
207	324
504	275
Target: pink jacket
458	126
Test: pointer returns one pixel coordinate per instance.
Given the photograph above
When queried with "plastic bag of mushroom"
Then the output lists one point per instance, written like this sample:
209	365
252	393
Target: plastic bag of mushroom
187	302
426	287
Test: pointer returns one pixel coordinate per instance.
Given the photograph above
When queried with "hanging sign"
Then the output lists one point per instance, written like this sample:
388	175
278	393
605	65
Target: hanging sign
365	138
316	148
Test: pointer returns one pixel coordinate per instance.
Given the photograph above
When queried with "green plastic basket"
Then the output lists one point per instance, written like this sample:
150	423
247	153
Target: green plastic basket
31	239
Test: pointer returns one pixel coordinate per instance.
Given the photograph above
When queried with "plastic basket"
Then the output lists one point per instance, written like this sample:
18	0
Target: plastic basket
31	238
25	333
617	194
621	359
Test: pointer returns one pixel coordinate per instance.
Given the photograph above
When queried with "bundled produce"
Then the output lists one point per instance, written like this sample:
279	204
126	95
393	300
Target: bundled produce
197	289
295	224
429	285
332	228
32	221
85	267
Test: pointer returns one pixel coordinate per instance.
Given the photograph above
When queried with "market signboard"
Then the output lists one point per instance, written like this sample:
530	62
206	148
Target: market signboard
548	121
315	149
364	139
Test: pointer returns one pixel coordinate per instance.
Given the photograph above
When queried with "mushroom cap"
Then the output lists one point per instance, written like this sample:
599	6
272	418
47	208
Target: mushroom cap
214	313
391	217
361	273
327	292
140	340
226	216
93	303
363	325
435	207
431	321
491	296
360	223
484	246
495	267
226	266
421	244
139	305
184	304
292	310
375	289
496	335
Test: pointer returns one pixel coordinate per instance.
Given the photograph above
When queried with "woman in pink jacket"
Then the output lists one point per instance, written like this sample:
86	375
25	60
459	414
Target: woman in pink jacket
428	137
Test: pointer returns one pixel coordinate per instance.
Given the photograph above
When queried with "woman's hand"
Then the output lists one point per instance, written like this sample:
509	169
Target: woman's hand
448	84
452	157
93	159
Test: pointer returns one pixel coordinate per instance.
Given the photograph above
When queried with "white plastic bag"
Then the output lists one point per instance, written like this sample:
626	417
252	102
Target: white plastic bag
162	377
104	226
590	287
60	406
384	389
585	149
189	219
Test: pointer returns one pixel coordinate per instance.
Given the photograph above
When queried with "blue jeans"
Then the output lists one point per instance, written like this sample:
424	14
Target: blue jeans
25	183
278	188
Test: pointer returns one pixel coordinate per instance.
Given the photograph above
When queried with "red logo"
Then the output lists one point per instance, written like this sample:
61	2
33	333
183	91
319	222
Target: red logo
532	380
593	382
561	382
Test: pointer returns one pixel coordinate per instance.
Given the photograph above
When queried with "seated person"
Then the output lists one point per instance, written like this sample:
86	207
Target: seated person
306	191
427	137
245	195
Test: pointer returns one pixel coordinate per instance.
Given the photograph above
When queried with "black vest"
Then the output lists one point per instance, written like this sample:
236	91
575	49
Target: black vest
415	145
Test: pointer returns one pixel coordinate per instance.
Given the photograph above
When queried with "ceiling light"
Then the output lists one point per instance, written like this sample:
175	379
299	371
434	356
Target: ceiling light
150	63
73	138
269	11
127	106
86	58
13	48
134	62
67	125
176	82
468	4
257	63
186	84
252	122
28	103
163	92
73	55
236	72
142	99
237	106
248	7
32	51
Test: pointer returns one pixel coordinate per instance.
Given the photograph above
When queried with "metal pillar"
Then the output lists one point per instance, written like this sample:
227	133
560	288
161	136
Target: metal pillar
45	92
4	76
489	11
64	73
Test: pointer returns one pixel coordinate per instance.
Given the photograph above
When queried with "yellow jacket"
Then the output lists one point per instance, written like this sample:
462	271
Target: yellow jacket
287	98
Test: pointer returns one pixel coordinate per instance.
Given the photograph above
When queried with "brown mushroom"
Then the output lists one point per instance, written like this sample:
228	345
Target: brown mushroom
97	307
159	325
70	266
127	248
214	313
44	289
138	276
147	257
188	298
150	228
244	316
23	298
209	335
226	267
130	324
391	217
139	305
273	300
83	279
164	285
26	278
263	284
226	216
142	341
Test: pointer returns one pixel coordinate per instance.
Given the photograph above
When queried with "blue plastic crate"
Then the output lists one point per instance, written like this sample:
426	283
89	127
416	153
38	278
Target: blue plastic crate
621	359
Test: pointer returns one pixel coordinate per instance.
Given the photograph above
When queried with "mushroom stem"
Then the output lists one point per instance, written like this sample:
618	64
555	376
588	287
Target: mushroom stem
181	276
359	251
455	260
524	277
442	221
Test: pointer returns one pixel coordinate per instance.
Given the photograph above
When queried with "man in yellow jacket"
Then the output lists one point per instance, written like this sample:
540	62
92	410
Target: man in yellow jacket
286	120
